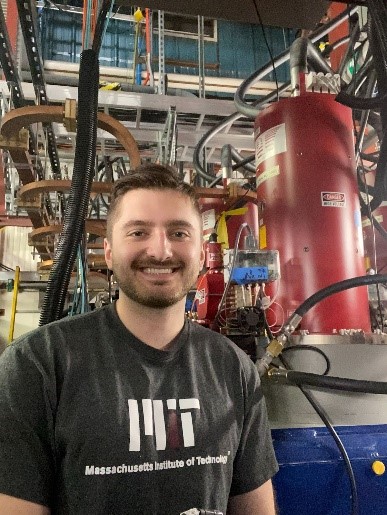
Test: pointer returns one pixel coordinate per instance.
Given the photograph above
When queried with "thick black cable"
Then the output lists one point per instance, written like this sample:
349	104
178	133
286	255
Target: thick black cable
359	76
349	51
313	349
102	20
318	409
382	231
360	103
336	383
370	157
336	288
267	46
83	174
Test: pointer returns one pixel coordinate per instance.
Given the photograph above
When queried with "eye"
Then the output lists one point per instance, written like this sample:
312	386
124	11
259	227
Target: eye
137	234
180	235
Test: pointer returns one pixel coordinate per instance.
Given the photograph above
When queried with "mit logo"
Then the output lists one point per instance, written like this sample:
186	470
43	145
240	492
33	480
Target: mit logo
166	432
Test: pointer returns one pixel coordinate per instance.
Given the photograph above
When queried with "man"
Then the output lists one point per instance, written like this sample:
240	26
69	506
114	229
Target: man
133	409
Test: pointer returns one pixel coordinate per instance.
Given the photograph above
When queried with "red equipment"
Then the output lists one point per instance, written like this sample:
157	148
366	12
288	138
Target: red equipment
210	286
309	209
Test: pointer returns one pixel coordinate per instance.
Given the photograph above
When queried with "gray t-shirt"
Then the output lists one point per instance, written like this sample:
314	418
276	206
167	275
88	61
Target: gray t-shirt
94	421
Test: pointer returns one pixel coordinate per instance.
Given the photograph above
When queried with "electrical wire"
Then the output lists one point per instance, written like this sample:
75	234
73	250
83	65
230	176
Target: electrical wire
296	348
318	409
276	319
325	420
313	349
267	46
235	252
6	268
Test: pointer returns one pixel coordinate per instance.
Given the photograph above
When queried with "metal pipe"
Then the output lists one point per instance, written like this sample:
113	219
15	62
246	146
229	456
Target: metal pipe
250	110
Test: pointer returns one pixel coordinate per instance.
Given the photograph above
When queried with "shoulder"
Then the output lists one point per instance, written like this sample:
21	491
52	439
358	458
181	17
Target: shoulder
58	335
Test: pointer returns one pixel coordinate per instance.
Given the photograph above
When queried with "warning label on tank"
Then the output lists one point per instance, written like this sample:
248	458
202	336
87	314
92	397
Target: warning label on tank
332	199
209	220
270	143
201	296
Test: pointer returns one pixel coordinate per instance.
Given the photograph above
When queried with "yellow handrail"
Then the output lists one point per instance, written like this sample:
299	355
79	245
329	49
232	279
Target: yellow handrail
14	304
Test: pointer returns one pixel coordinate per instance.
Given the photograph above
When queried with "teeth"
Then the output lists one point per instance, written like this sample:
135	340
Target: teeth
158	270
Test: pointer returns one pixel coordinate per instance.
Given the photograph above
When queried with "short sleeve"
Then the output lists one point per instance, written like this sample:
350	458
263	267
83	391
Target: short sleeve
27	465
255	461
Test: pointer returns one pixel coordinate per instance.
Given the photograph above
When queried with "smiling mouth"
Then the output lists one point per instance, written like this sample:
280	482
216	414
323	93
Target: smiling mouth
158	271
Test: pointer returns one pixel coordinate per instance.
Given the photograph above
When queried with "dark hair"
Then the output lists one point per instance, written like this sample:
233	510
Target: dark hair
148	176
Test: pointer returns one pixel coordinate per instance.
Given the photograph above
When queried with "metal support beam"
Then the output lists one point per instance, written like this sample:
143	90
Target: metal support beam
28	23
161	85
202	89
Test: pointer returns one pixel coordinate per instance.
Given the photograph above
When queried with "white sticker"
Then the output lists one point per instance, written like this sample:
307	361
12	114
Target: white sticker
267	174
332	199
270	143
208	218
201	296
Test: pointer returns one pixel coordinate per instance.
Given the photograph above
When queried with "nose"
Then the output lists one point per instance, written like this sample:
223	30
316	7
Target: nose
159	246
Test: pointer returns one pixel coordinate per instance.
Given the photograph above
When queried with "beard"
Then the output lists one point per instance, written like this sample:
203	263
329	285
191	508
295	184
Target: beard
150	295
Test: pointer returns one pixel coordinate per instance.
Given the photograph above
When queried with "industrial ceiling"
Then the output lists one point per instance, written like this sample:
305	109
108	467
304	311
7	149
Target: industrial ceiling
304	14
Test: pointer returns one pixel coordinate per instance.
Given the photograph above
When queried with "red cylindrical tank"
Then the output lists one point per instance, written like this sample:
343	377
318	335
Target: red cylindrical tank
214	256
310	211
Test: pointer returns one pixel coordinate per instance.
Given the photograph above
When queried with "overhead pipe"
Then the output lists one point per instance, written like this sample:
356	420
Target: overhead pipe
250	110
302	53
224	123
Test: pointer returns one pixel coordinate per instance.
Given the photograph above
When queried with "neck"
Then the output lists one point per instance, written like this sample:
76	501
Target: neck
155	327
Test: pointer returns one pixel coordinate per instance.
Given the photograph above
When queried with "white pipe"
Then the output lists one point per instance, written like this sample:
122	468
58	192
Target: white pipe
175	80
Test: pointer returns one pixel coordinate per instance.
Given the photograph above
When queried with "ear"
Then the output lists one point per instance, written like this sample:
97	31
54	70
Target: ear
108	253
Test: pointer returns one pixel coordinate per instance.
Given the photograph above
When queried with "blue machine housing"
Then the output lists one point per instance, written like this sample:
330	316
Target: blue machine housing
313	479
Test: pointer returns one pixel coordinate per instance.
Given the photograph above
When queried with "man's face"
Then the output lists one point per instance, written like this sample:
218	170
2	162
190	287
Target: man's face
156	250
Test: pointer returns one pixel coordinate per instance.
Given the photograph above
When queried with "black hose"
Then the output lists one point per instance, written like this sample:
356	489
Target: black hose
350	49
83	173
378	40
318	409
336	383
370	157
338	287
360	76
380	186
358	102
100	25
238	159
221	125
240	164
381	230
310	348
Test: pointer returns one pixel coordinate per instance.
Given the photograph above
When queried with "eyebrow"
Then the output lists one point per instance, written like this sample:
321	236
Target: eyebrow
169	224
